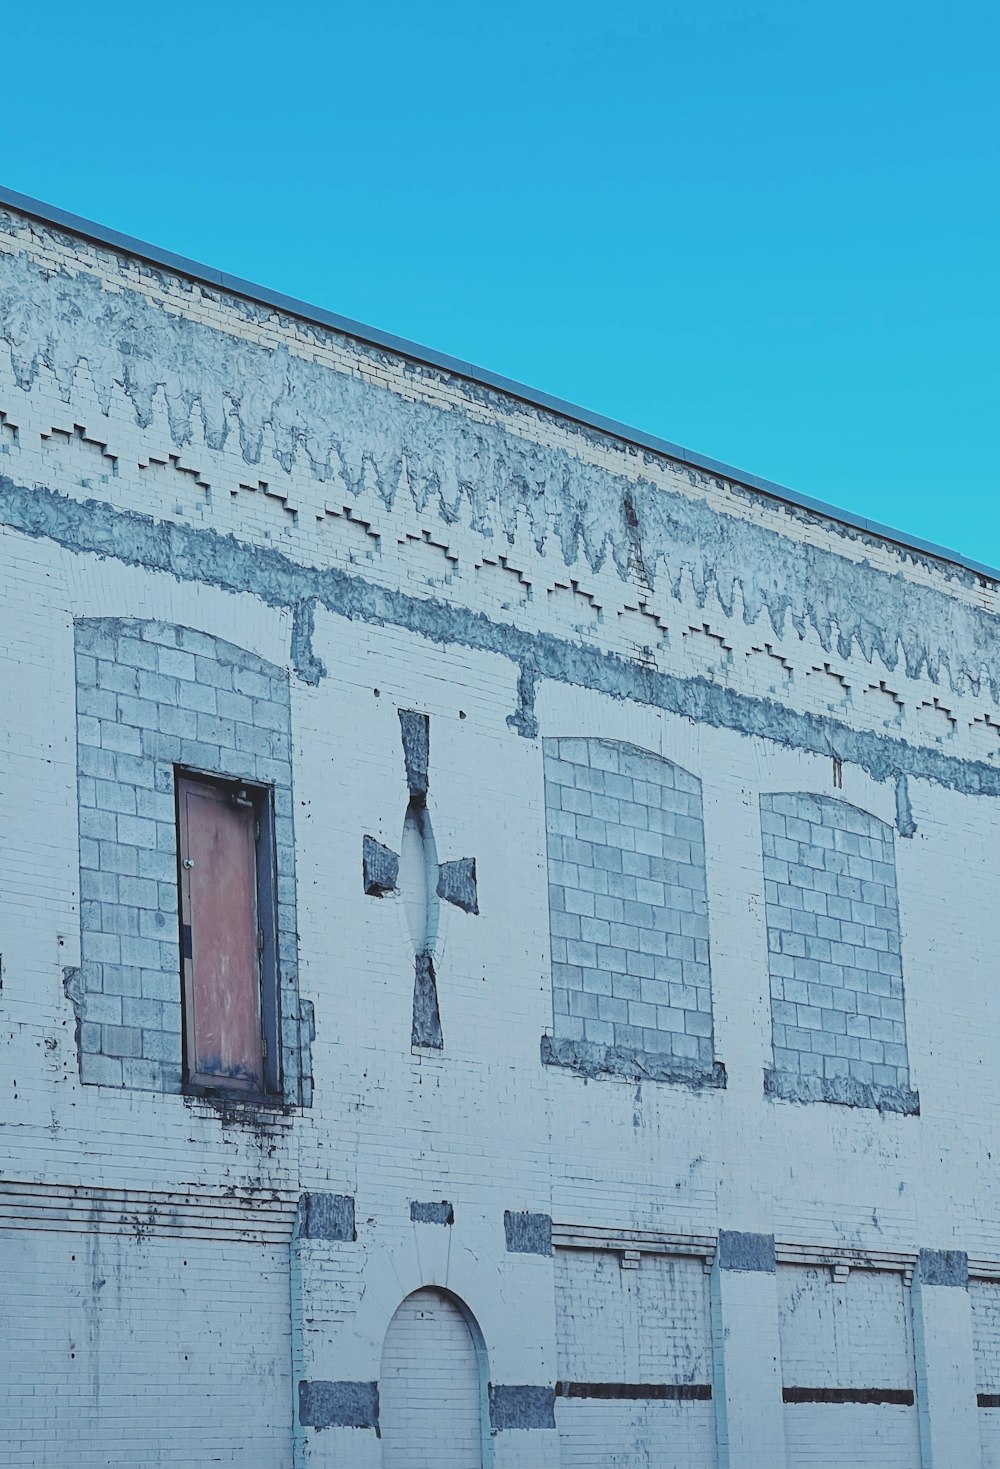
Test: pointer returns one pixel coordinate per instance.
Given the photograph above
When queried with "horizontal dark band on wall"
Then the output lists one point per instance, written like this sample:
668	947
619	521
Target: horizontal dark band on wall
902	1397
988	1399
79	1208
637	1391
211	558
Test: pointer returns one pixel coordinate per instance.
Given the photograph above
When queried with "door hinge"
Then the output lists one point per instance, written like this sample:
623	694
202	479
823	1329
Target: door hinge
260	941
264	1047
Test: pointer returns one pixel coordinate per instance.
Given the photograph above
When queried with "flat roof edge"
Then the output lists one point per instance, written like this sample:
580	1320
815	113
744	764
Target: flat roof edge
536	398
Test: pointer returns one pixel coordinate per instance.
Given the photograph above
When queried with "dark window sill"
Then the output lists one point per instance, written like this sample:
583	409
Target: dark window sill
236	1099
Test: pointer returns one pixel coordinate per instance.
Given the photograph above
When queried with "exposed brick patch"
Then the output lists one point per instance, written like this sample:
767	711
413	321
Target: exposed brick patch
380	868
440	1212
521	1407
526	1233
943	1267
739	1250
338	1404
327	1216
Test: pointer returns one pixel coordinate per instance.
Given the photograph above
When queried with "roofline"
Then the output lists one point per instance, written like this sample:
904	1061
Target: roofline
62	219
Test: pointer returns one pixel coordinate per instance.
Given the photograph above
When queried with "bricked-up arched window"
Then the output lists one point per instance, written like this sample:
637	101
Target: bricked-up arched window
433	1405
628	915
227	930
838	1023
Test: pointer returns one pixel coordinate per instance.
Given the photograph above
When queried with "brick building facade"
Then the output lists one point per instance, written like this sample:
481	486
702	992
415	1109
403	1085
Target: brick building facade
499	918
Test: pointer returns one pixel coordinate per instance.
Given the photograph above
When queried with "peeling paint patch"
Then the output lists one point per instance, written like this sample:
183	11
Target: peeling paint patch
637	1392
846	1091
524	719
208	557
416	750
588	1059
527	1234
426	1029
943	1267
380	868
309	668
741	1251
338	1404
327	1216
457	884
905	824
522	1407
433	1213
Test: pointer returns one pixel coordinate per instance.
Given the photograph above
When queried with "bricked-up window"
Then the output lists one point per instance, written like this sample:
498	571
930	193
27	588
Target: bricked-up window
156	701
628	915
227	934
838	1022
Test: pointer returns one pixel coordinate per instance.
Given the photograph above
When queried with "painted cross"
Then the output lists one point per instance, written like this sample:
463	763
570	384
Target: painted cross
420	878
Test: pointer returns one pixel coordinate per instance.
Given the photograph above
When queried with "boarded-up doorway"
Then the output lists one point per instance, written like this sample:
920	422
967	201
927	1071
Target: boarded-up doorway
431	1388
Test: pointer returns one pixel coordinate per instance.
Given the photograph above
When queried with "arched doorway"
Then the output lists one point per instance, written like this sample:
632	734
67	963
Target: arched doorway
432	1387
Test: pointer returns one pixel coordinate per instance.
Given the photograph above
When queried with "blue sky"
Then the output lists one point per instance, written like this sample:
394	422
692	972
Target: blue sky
764	229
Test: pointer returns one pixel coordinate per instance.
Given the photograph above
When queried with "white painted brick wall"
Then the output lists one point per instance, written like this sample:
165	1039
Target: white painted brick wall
134	1350
429	1387
483	1124
856	1334
635	1435
850	1333
985	1299
645	1324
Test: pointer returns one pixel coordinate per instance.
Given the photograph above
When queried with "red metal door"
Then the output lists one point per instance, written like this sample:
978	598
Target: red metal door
219	936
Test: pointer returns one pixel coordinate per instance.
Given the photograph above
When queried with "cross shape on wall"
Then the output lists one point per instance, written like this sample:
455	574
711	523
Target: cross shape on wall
420	878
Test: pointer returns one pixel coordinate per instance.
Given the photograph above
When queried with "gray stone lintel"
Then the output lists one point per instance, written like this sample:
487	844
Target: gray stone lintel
338	1404
432	1213
526	1233
522	1407
740	1251
943	1267
326	1216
